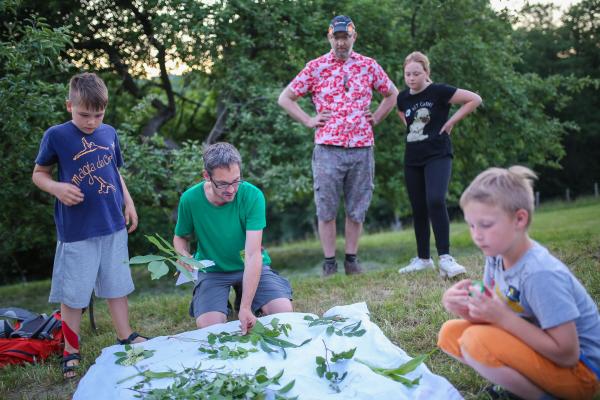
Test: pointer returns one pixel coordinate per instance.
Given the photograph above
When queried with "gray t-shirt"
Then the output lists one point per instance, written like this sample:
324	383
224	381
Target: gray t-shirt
542	290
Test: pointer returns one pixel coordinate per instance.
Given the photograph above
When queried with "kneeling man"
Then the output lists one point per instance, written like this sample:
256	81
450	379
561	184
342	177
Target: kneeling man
226	216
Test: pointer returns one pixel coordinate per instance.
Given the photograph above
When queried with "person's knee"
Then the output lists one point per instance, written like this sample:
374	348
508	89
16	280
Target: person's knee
276	306
449	335
210	318
436	203
482	344
355	219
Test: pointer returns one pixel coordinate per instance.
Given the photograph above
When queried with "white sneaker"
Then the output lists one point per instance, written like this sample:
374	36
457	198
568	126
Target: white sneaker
449	267
417	264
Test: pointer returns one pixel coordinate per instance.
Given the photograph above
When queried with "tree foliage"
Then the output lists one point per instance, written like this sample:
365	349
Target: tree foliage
238	56
29	102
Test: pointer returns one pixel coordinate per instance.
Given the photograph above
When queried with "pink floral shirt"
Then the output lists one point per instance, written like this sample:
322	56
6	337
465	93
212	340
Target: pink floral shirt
344	88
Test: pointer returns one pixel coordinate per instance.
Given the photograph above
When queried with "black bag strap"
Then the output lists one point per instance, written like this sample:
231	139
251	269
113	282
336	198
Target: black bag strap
20	314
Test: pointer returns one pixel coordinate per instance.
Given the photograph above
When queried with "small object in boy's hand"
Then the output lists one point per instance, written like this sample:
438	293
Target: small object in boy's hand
480	288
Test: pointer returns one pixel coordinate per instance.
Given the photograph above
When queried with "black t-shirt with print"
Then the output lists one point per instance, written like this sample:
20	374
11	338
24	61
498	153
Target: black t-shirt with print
425	113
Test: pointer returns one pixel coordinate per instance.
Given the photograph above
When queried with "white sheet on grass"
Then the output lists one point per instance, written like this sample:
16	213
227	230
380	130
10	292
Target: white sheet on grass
100	382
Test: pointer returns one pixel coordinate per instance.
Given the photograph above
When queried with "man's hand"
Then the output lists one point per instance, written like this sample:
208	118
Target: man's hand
370	119
67	193
131	217
319	120
456	298
247	320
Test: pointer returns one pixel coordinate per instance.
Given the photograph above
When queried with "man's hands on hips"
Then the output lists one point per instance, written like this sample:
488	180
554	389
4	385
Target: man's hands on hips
247	319
319	120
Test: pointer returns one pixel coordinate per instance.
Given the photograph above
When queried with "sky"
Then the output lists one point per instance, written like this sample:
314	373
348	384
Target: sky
515	5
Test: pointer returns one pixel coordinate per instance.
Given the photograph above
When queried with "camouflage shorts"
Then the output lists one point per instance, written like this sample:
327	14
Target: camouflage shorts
338	170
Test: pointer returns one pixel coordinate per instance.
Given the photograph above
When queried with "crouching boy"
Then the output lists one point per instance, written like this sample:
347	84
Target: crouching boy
532	330
92	210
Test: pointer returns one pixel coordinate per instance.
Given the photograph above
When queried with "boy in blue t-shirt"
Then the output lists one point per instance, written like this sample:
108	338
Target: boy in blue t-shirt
531	328
91	252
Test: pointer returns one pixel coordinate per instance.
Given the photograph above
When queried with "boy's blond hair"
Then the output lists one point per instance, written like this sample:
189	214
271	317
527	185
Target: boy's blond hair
510	189
89	91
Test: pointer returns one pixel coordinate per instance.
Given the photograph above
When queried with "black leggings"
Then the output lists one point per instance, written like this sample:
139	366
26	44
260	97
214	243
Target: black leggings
427	186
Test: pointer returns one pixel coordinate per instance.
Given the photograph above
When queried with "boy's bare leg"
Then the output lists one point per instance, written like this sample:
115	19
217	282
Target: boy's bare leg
119	312
277	306
72	318
506	377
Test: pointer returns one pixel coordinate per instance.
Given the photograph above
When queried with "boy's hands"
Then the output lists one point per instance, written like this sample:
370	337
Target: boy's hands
456	298
131	217
67	193
488	309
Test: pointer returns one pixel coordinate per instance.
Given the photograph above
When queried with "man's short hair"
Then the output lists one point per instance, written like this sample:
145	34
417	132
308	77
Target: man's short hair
221	155
89	91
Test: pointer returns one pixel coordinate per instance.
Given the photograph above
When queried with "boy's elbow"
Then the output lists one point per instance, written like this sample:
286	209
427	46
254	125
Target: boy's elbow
569	360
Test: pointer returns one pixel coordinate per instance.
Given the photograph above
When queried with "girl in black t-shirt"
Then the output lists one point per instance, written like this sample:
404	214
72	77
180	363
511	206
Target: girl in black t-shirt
424	107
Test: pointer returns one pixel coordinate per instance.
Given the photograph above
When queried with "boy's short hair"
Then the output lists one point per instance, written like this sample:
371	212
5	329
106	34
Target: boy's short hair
88	90
220	155
510	189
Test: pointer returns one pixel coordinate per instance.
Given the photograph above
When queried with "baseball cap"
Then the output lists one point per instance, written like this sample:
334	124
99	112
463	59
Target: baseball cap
341	23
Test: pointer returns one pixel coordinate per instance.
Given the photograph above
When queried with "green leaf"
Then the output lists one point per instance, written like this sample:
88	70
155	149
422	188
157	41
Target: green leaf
410	366
158	269
287	387
182	270
330	330
145	259
159	244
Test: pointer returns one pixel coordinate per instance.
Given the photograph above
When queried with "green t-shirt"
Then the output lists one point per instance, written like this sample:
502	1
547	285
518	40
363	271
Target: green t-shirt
221	230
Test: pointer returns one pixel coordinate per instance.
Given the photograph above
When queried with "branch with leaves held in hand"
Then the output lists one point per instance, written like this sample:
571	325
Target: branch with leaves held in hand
158	264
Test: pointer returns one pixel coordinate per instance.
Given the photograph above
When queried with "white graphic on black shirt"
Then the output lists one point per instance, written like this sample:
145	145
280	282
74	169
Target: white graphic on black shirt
415	133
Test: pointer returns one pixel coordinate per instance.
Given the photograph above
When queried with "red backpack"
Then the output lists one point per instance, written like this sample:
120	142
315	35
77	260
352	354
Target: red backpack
33	338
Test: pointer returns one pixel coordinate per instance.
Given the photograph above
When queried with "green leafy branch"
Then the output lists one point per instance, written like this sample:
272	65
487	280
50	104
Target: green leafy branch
262	336
224	352
197	383
397	373
158	264
324	368
348	330
132	355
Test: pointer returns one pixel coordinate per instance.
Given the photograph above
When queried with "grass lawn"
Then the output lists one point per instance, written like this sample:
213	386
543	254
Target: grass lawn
406	308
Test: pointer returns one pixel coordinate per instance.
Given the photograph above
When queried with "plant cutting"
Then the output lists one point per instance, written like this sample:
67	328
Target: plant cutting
158	264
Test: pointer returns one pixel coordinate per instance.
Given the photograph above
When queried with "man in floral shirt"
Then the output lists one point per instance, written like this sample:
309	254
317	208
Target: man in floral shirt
341	83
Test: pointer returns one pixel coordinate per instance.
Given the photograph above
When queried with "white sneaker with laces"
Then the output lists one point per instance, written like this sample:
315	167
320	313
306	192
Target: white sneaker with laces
449	267
417	264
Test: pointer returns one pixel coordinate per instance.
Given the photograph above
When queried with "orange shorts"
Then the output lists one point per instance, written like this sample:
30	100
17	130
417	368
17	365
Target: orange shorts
494	347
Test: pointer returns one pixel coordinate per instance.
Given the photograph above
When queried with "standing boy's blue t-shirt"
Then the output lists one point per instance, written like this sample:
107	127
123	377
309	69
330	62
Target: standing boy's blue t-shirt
541	289
90	162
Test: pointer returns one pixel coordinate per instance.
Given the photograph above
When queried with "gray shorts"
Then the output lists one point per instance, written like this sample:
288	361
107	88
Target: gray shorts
338	170
99	263
212	290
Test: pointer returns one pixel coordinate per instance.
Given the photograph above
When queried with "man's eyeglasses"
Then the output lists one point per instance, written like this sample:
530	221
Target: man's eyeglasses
346	86
225	185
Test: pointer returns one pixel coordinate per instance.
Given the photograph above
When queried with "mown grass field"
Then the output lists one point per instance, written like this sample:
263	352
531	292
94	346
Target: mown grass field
406	308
